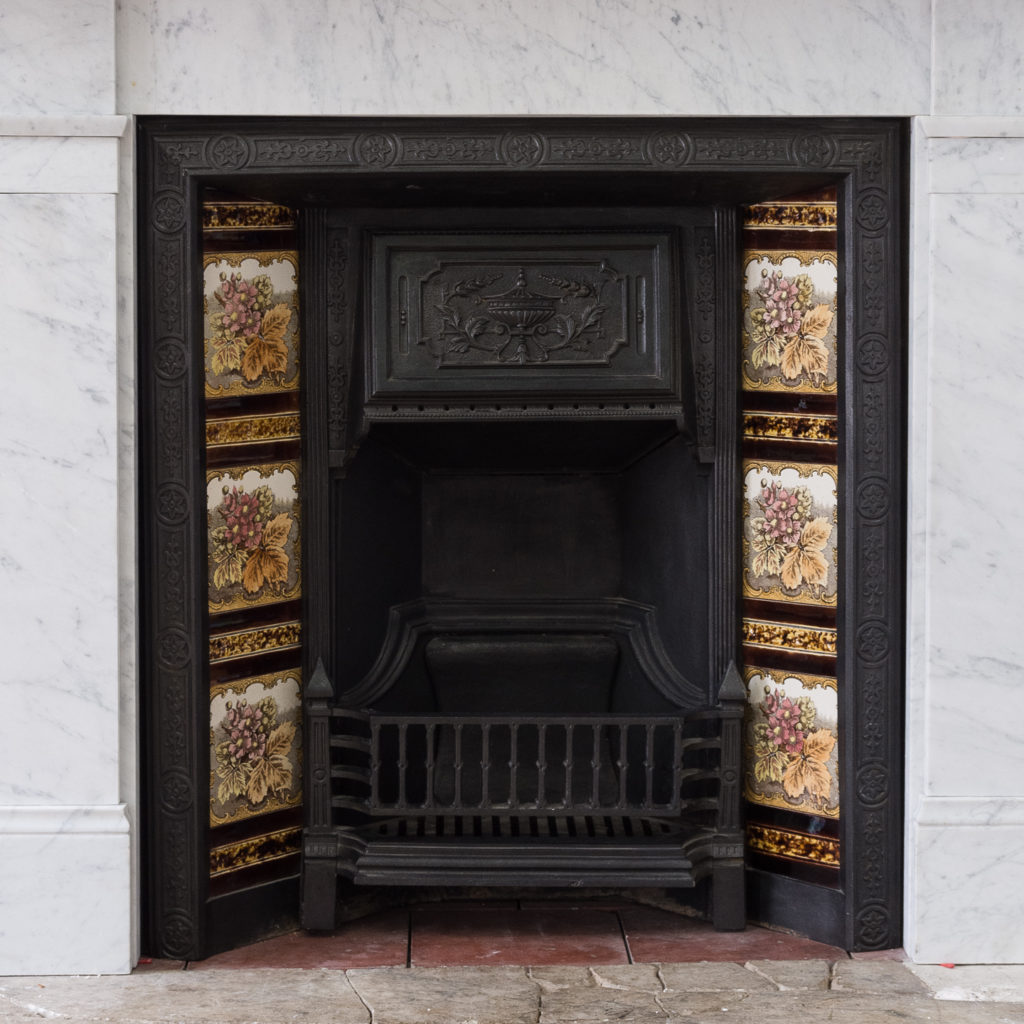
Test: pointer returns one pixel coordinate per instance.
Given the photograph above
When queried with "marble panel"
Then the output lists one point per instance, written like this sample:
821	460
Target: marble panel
966	882
45	164
977	60
979	166
58	495
532	57
65	894
975	491
58	57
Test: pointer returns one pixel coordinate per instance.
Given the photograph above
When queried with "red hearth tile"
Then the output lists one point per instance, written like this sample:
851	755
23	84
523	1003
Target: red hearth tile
381	940
658	936
443	938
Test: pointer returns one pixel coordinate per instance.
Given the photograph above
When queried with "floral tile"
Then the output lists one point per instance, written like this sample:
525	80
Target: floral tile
791	741
790	532
255	746
253	535
790	321
251	316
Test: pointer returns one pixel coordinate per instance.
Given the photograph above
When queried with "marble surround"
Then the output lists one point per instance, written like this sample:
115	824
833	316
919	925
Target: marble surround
68	75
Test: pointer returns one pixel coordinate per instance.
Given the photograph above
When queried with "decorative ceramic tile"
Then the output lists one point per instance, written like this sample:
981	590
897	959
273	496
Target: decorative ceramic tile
792	741
784	636
247	217
784	842
251	313
255	746
253	544
765	426
243	643
259	850
278	426
789	532
790	321
819	215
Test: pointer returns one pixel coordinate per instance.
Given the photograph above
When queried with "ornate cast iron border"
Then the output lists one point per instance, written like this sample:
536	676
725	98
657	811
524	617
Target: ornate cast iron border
177	156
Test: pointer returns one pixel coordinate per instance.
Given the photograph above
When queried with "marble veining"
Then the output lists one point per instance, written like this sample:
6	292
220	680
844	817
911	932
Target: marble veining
977	57
976	491
970	900
977	166
58	57
58	500
54	165
530	57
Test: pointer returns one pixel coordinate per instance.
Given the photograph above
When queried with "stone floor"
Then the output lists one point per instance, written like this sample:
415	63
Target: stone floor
522	962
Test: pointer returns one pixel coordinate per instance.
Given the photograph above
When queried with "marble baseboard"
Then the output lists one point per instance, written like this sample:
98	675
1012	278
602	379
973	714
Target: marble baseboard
65	891
965	895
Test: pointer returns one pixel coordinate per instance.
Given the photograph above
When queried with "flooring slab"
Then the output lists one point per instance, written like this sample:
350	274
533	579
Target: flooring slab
381	940
658	936
476	937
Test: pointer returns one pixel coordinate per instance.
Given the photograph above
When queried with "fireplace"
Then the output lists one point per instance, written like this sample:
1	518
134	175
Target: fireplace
510	450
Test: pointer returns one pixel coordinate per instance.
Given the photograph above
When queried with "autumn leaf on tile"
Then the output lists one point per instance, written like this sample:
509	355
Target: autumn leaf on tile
275	533
817	321
808	772
805	562
804	354
262	356
265	565
279	743
233	781
229	570
226	357
768	552
275	323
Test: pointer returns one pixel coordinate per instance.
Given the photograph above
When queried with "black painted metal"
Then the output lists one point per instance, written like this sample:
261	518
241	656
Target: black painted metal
595	163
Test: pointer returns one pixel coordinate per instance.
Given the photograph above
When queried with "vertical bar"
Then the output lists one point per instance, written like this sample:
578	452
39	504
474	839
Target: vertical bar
402	764
428	796
542	762
485	765
677	763
649	766
568	762
623	761
374	760
458	765
513	765
595	766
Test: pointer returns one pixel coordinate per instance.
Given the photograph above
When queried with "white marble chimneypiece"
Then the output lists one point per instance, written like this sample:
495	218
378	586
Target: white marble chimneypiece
71	76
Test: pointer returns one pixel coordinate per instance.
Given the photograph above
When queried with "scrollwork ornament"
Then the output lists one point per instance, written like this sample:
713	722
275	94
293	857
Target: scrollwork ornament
873	783
522	149
873	498
172	648
670	148
378	150
176	791
815	150
168	213
873	926
873	641
172	504
872	355
169	360
872	211
178	935
227	153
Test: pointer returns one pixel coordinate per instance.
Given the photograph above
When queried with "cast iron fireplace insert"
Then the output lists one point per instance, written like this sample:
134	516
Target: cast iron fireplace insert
522	564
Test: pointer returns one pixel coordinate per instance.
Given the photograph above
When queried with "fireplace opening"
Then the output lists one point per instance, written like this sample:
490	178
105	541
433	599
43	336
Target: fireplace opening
524	686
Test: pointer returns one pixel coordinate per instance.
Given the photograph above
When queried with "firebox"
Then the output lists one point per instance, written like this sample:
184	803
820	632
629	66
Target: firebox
523	689
490	419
